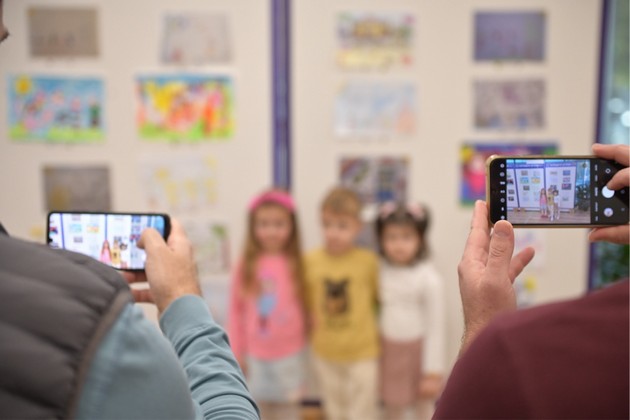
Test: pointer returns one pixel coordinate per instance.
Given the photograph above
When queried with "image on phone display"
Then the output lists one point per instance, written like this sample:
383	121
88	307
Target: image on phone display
555	191
110	238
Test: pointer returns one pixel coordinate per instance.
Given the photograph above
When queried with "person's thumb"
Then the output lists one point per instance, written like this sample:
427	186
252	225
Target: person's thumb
151	240
501	249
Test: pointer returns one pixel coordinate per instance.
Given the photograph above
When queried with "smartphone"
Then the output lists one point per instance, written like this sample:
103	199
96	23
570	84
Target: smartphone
111	238
554	191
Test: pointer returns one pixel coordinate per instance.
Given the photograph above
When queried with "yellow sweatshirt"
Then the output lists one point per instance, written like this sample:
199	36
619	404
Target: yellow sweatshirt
341	297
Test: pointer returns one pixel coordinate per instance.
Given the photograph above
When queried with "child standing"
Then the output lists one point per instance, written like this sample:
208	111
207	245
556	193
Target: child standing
266	314
543	203
412	311
342	285
551	204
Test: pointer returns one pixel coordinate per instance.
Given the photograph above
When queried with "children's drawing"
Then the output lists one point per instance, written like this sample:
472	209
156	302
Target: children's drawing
473	165
376	180
212	248
375	110
195	38
374	40
66	32
185	107
81	188
179	183
510	36
510	104
56	109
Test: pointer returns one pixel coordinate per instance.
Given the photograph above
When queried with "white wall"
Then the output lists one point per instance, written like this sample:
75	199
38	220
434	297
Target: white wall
443	72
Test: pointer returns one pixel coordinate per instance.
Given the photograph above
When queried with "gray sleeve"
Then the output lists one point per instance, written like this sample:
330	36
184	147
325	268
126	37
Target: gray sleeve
137	373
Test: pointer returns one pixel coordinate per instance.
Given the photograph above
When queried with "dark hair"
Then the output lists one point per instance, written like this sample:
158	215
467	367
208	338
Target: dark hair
416	216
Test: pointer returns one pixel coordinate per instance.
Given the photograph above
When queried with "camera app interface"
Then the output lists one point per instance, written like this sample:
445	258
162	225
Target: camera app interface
561	191
109	238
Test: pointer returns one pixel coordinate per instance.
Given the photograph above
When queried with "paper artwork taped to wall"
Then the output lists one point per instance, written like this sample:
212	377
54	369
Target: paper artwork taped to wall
509	104
510	36
56	109
81	188
195	38
375	179
63	32
473	158
375	110
179	183
185	107
211	245
375	40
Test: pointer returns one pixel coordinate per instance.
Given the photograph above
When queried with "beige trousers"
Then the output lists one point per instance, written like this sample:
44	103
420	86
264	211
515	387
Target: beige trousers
349	390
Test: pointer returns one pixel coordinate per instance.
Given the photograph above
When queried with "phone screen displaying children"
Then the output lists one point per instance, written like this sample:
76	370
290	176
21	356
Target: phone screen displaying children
109	238
561	191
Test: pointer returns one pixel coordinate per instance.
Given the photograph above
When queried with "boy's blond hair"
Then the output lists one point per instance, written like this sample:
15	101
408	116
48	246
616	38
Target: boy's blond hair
343	202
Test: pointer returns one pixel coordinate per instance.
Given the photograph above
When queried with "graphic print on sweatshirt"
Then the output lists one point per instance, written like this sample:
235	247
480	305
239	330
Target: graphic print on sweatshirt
267	301
336	301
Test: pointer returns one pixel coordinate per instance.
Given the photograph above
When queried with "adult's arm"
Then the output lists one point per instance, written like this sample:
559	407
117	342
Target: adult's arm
486	273
213	374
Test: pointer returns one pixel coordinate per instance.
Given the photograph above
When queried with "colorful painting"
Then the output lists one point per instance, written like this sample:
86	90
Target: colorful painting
56	109
375	40
375	110
377	179
509	104
473	158
76	188
185	107
63	32
179	183
510	36
195	38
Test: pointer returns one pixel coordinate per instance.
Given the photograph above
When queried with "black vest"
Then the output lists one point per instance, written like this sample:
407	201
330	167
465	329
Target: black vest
55	308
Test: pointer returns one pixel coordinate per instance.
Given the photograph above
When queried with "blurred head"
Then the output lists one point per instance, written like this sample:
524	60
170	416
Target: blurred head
272	229
271	226
401	233
341	220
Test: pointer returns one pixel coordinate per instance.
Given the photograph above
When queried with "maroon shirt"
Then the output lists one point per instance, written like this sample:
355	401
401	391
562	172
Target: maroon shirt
564	360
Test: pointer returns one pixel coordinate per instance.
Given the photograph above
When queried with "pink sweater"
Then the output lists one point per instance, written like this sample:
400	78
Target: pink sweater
270	325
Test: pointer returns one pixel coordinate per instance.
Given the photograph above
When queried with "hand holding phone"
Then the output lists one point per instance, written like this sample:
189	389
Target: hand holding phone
619	153
170	268
555	191
111	238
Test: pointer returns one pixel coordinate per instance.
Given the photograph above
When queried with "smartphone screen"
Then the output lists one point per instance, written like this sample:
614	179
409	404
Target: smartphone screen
108	237
555	191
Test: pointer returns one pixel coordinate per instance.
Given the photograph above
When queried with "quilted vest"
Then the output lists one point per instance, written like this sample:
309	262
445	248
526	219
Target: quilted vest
55	308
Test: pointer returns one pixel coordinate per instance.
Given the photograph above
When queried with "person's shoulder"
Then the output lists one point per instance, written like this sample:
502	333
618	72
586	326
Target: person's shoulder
586	312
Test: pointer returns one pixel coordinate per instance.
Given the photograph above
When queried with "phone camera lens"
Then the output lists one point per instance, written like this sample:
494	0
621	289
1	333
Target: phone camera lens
502	174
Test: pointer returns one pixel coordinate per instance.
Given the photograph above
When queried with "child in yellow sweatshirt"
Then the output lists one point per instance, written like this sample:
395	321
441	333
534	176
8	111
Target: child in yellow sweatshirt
341	286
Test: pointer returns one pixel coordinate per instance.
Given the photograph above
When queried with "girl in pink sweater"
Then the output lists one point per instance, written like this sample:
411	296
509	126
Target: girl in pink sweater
266	313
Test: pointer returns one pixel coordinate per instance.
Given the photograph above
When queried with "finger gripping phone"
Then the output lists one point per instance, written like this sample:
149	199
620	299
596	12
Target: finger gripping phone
111	238
554	191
